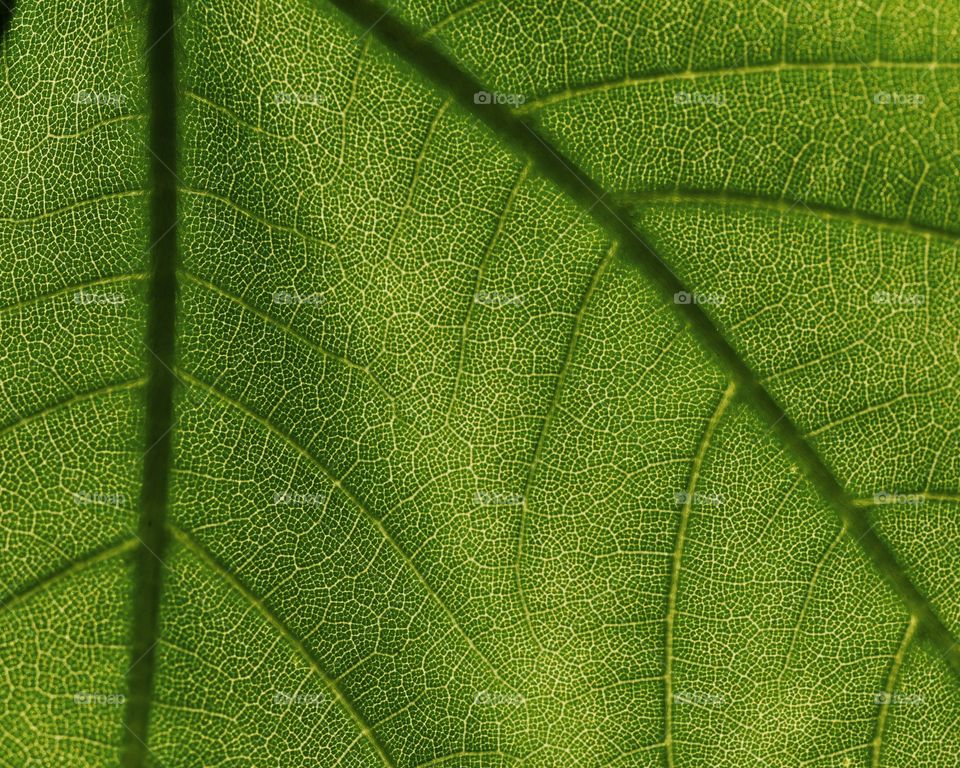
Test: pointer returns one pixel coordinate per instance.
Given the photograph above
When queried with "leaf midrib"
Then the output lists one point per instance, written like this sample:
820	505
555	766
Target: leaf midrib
152	535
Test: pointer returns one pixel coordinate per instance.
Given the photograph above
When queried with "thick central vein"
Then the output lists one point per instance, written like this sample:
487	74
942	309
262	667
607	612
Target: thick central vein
159	392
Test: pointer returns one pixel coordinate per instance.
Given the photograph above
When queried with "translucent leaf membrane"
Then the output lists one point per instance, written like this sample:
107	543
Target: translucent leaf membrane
452	483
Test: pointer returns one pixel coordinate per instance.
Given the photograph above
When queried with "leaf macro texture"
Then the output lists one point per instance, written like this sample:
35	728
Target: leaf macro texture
479	384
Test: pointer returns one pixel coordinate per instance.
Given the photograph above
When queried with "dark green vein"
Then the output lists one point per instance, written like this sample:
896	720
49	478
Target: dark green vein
159	396
6	16
520	133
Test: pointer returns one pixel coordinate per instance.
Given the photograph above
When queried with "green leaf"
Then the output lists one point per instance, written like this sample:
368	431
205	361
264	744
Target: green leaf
479	385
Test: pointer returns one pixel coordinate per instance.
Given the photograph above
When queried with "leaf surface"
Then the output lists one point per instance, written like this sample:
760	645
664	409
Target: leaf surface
451	480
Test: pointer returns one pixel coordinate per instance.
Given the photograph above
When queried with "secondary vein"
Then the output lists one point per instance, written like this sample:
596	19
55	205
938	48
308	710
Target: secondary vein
675	571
